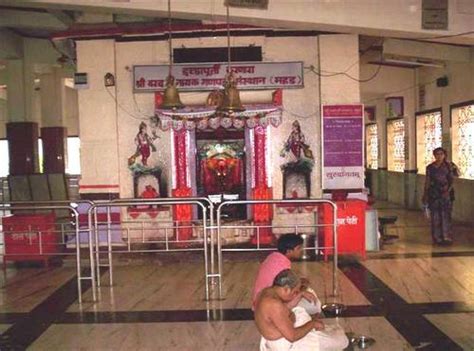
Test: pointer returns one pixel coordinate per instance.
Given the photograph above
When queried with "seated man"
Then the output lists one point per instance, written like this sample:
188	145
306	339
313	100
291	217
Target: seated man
282	329
289	248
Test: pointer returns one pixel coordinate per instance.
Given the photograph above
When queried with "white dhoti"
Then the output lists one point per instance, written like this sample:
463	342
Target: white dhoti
332	338
310	307
275	345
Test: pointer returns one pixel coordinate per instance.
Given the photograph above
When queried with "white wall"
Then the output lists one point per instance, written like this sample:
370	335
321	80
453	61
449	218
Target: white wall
297	102
35	58
119	123
98	118
390	81
394	18
3	112
460	88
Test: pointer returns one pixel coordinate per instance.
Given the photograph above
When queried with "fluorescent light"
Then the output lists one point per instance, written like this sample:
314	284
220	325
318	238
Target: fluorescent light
415	63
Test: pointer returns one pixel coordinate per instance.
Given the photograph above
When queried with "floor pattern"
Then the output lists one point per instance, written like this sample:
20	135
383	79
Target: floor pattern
410	296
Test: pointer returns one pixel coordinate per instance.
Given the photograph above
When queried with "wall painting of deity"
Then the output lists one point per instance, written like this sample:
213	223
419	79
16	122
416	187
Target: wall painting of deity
297	165
148	180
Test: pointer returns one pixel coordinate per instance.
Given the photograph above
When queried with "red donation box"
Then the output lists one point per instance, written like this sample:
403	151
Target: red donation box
350	227
30	237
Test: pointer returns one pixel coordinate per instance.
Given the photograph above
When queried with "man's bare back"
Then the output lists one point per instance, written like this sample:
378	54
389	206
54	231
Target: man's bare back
275	320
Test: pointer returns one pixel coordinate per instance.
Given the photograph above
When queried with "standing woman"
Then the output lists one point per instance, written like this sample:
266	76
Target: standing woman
439	196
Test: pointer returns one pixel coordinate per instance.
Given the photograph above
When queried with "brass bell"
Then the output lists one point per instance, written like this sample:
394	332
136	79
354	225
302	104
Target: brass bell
231	100
171	100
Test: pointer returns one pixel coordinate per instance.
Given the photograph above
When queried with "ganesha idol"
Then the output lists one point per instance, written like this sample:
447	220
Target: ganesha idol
221	174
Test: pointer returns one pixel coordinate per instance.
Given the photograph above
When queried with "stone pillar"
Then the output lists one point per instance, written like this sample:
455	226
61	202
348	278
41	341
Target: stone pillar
52	92
23	147
54	149
53	132
411	191
100	156
22	133
337	53
16	92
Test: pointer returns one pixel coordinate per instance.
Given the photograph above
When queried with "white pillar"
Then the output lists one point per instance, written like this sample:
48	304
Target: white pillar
339	53
16	92
98	119
52	92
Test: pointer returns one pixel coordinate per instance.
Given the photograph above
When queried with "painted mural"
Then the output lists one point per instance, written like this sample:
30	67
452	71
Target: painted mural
297	164
148	182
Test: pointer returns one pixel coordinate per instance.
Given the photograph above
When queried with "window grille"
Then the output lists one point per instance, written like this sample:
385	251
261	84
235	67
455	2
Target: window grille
396	145
371	146
428	138
463	140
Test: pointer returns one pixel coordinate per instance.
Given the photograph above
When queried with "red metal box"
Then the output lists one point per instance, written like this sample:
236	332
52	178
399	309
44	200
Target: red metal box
350	227
30	237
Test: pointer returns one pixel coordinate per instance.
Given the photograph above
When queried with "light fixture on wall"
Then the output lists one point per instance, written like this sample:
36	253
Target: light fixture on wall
414	63
231	98
109	80
171	100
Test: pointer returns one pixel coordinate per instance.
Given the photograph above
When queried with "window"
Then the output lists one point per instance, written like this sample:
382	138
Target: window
428	138
73	164
371	146
462	119
5	164
396	145
40	156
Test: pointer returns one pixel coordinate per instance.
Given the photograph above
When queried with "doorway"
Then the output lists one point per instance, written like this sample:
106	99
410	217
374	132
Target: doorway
220	167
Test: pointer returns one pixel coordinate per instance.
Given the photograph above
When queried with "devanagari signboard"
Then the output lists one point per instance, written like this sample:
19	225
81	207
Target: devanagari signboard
343	146
210	76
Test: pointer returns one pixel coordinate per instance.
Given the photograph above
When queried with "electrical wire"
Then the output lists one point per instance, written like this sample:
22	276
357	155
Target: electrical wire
402	90
294	114
365	80
362	53
444	36
124	109
138	107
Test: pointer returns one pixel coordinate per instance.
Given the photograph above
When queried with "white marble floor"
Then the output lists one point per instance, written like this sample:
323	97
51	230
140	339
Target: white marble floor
427	279
24	288
458	326
414	232
229	336
150	287
181	286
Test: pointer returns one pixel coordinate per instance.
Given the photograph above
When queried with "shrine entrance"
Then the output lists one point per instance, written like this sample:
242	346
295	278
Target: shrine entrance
220	167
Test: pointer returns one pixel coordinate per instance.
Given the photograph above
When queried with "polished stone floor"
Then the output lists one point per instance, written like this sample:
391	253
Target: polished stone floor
408	296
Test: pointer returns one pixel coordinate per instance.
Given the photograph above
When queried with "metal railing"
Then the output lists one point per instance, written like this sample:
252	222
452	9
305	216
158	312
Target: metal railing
211	226
220	249
93	225
31	233
170	241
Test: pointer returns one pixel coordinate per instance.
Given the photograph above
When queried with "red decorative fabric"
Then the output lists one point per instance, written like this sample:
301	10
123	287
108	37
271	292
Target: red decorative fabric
262	212
182	214
262	215
259	162
180	157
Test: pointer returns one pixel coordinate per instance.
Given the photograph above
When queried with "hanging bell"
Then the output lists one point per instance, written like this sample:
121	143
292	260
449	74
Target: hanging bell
231	99
171	100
